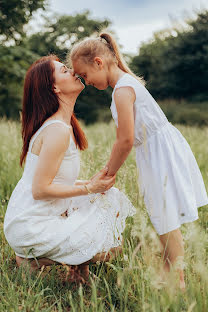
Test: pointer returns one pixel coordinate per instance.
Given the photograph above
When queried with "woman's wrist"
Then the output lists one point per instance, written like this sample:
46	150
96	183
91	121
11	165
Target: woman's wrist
82	182
87	187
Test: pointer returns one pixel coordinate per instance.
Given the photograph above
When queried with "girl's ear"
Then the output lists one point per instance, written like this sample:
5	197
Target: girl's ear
98	61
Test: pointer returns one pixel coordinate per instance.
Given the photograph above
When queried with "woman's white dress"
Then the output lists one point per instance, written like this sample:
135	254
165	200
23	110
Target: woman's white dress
168	175
35	228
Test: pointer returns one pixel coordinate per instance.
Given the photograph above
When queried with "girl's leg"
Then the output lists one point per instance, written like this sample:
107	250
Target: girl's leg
173	251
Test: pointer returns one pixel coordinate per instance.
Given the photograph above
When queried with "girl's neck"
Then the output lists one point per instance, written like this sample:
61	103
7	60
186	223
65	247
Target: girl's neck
115	73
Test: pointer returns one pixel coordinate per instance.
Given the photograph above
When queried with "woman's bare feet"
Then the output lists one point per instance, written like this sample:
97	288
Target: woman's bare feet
34	264
107	256
75	273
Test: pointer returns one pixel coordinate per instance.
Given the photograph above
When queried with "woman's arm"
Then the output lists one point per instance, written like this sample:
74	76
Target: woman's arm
82	182
124	99
55	143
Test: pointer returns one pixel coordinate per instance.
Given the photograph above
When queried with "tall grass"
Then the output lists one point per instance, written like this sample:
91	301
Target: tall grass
129	283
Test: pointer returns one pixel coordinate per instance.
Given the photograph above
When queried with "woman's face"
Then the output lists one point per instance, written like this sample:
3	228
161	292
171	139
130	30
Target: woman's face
65	82
93	74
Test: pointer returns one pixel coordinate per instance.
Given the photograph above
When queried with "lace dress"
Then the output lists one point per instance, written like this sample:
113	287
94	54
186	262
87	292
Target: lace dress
35	228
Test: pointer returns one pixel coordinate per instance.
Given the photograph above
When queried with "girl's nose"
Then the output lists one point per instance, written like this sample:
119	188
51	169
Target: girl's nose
72	72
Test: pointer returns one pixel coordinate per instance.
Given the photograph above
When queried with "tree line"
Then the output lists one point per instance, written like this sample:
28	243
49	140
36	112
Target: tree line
174	63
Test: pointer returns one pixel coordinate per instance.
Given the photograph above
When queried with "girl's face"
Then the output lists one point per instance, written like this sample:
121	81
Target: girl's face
94	74
65	82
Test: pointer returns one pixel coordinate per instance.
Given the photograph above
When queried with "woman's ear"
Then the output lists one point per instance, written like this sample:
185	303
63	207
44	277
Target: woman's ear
55	89
98	61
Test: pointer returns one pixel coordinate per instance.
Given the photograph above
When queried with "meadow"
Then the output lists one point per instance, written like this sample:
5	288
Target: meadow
129	283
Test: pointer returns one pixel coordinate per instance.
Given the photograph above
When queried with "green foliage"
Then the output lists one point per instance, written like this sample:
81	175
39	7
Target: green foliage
183	112
175	62
132	281
59	33
92	105
14	14
56	37
14	62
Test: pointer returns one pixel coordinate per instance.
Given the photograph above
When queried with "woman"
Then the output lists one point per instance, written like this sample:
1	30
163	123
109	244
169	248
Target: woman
50	216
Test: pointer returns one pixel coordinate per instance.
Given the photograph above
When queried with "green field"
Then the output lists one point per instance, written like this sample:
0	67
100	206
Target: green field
129	283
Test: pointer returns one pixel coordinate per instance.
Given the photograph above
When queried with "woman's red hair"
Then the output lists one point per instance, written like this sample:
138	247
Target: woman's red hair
40	103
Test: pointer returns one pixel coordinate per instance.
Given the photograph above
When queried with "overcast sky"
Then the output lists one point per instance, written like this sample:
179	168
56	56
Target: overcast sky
134	21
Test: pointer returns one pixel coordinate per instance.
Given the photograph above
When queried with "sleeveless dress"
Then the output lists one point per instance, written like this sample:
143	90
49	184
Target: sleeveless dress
35	228
168	175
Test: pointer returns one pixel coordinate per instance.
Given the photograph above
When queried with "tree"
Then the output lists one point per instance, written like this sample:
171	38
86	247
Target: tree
14	62
175	62
59	35
15	58
14	14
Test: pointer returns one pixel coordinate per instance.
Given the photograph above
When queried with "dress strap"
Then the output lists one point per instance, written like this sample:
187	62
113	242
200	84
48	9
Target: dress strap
45	124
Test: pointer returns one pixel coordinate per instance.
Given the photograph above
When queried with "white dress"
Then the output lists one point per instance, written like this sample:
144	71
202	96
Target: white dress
35	228
168	175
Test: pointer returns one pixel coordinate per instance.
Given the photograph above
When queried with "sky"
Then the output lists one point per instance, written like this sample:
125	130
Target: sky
134	21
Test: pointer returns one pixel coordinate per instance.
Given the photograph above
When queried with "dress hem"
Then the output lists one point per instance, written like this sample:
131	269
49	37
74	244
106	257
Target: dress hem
176	226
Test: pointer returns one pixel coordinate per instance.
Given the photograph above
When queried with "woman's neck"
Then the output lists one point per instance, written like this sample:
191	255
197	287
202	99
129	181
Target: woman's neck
66	109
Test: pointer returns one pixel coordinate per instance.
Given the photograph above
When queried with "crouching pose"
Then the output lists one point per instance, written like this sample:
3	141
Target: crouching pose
50	216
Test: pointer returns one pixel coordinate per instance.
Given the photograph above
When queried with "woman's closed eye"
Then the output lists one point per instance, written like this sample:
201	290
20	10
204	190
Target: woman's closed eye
65	69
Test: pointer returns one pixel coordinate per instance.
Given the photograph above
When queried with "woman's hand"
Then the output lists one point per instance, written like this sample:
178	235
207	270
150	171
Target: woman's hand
81	182
100	183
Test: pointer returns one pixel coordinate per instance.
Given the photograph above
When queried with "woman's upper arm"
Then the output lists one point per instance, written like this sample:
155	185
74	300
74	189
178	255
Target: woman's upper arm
124	99
55	143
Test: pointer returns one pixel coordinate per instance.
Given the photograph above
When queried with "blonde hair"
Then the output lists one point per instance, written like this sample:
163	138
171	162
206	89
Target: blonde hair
105	44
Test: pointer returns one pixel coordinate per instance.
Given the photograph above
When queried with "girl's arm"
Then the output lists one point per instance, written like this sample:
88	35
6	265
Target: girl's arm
55	143
124	98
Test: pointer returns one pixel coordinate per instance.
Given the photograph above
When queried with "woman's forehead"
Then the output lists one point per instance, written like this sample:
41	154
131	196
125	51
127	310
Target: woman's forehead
58	64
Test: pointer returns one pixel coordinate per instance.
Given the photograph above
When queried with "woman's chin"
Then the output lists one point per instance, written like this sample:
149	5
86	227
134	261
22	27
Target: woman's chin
81	87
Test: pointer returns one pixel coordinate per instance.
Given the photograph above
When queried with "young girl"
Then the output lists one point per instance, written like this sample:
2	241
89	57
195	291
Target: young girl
169	177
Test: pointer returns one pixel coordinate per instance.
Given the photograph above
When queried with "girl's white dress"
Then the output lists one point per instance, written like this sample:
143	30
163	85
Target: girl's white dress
35	228
168	175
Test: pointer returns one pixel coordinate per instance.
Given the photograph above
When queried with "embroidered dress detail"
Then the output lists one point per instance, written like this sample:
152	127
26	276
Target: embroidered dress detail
35	228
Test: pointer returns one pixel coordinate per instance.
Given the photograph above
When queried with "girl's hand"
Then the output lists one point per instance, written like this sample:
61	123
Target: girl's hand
99	173
100	182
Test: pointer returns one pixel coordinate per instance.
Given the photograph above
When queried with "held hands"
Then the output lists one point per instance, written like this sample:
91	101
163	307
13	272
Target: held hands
100	183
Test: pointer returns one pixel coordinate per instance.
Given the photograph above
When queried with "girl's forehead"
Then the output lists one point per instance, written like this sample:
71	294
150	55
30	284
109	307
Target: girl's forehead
79	66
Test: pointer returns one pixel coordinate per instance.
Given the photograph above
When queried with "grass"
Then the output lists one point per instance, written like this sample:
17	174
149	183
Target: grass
129	283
